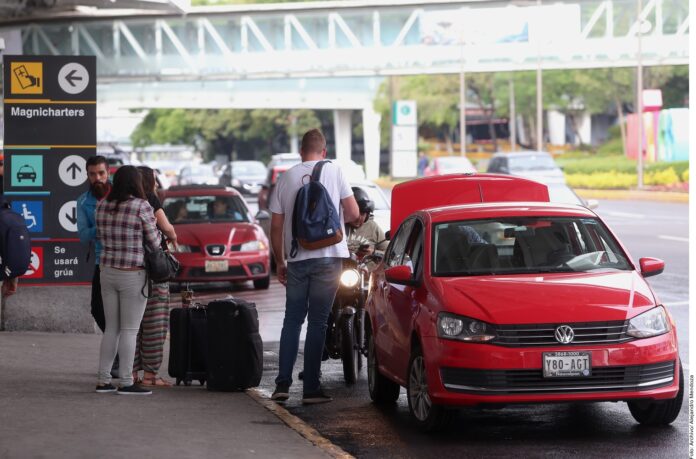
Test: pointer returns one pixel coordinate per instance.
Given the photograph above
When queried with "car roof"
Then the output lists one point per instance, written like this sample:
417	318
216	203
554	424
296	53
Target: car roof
199	190
522	153
504	209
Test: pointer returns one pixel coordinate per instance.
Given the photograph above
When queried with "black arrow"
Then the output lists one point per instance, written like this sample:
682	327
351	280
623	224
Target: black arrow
71	76
72	218
74	168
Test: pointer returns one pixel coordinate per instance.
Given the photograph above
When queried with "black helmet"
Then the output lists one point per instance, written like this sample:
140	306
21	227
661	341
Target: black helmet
365	204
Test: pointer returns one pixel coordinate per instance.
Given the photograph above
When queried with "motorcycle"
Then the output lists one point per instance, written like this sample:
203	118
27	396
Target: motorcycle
346	331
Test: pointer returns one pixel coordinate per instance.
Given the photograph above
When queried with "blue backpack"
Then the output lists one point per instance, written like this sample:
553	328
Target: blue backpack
315	220
15	243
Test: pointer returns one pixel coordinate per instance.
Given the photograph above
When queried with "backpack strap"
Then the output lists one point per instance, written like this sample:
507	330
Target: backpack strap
294	244
316	172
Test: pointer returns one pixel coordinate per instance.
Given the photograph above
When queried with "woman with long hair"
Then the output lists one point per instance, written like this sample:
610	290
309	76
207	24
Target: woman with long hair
149	345
125	224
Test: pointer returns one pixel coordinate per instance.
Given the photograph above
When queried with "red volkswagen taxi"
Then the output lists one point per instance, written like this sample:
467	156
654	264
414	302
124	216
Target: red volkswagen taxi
488	295
218	238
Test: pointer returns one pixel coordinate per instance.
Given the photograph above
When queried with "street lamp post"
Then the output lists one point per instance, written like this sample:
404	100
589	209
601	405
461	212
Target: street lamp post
639	94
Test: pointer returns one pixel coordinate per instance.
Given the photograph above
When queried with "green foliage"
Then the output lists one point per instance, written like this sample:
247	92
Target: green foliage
679	167
611	147
685	176
602	181
588	164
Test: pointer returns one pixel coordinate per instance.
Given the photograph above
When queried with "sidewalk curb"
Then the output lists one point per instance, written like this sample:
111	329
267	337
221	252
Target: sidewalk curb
634	195
299	426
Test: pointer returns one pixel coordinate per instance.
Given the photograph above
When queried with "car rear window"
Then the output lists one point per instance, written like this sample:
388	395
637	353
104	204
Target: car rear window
525	245
205	209
531	163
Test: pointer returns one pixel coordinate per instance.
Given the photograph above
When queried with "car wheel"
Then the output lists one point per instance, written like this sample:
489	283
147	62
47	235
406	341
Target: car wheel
262	284
660	412
383	391
429	416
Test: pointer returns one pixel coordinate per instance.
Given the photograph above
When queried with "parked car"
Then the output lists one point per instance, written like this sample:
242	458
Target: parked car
219	240
535	165
279	163
481	300
564	194
247	177
442	165
200	174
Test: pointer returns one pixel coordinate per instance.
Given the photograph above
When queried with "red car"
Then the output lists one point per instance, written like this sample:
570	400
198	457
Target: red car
442	165
219	240
494	302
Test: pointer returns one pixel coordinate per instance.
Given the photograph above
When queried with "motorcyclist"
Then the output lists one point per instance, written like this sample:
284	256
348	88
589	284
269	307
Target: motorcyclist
364	235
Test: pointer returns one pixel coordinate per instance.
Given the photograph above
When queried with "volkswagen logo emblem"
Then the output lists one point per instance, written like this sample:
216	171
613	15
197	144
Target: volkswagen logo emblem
564	334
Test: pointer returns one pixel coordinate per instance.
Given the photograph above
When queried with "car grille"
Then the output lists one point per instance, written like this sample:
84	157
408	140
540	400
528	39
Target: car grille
494	382
215	250
231	271
544	334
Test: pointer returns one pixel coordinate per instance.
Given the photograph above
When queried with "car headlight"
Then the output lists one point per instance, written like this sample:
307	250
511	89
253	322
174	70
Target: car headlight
452	326
252	246
651	323
183	248
350	278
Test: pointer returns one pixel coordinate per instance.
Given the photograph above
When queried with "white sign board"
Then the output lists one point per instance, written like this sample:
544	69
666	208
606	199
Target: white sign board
405	113
404	164
405	138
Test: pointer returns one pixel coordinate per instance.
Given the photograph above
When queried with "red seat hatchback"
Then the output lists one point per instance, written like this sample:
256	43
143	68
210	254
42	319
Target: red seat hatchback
514	302
218	238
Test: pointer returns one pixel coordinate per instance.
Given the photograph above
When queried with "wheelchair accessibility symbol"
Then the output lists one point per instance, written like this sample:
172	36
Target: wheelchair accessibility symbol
32	212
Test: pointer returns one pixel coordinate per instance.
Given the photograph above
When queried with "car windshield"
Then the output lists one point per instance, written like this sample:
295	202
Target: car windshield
563	194
205	209
531	162
454	164
524	245
248	168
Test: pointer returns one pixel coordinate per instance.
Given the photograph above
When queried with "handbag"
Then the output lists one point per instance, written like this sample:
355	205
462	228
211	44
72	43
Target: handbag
160	265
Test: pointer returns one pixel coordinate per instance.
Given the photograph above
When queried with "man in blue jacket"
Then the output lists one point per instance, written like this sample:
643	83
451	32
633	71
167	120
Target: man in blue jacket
99	187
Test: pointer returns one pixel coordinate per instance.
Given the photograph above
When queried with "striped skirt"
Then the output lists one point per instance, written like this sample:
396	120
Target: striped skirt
149	347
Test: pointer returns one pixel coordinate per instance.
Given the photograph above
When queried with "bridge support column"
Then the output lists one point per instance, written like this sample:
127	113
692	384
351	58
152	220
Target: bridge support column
371	139
343	133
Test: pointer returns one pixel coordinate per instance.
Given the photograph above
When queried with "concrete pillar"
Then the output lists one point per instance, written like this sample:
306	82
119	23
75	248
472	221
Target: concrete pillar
343	133
371	139
585	128
557	127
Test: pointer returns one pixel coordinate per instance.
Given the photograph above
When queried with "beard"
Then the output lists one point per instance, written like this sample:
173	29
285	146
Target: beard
99	189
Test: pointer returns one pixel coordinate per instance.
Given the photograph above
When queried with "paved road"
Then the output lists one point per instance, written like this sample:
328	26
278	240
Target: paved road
597	430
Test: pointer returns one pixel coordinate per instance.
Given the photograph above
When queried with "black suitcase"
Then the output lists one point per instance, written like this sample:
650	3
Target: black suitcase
188	344
235	349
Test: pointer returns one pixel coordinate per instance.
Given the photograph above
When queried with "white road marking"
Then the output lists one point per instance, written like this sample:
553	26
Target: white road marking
677	303
673	238
625	214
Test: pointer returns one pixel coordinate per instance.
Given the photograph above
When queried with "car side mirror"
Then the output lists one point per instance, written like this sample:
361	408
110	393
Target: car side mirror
651	266
504	170
263	215
400	275
387	235
592	204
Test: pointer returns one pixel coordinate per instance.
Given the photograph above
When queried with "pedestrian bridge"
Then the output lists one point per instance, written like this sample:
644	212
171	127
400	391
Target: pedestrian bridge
334	54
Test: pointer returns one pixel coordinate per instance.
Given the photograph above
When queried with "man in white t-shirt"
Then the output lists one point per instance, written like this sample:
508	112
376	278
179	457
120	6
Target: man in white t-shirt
311	277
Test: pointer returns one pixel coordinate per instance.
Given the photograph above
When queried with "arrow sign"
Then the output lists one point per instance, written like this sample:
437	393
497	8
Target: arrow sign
67	216
70	77
73	78
72	218
74	168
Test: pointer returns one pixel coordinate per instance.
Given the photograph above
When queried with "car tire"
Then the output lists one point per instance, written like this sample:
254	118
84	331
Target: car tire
383	391
659	412
429	416
262	284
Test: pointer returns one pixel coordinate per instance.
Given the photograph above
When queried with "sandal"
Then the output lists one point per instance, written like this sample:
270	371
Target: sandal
155	381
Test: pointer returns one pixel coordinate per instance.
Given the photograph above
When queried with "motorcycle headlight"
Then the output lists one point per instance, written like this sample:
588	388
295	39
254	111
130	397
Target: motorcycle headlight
651	323
350	278
183	248
452	326
252	246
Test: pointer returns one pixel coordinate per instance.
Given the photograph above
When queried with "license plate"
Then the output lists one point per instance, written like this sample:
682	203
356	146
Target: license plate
215	266
566	364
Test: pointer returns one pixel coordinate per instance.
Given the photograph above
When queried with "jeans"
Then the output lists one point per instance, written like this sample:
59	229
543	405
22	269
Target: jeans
310	292
124	305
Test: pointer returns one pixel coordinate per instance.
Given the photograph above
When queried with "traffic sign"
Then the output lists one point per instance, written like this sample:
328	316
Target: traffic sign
26	78
32	212
35	270
27	170
67	216
73	170
73	78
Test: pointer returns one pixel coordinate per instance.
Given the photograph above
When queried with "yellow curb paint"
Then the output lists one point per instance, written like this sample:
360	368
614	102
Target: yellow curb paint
634	195
299	426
